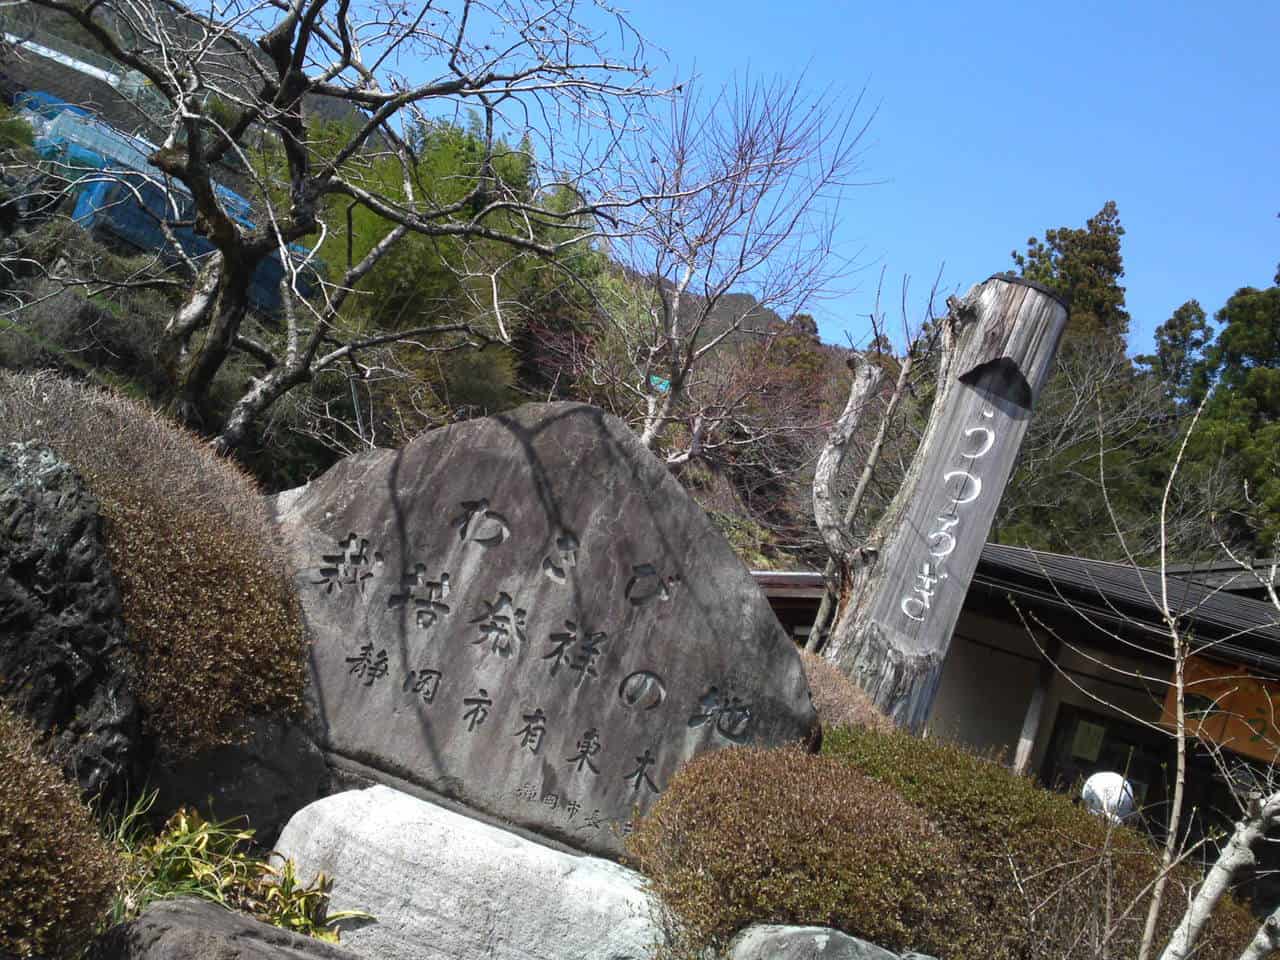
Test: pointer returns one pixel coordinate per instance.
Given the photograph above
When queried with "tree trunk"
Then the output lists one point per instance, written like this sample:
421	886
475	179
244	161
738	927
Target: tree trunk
195	312
1235	856
913	572
207	350
866	382
248	410
1267	940
817	638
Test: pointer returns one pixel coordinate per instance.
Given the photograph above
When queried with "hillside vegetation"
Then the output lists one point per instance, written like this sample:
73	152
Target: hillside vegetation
214	625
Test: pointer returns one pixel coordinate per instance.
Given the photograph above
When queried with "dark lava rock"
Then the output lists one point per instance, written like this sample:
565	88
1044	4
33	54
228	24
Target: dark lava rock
527	613
199	930
62	659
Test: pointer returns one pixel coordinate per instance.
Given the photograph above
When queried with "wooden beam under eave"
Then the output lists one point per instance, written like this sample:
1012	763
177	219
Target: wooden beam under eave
1035	709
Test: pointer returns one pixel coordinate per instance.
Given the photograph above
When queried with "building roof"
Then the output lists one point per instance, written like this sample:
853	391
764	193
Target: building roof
802	584
1239	629
1227	575
1116	596
34	72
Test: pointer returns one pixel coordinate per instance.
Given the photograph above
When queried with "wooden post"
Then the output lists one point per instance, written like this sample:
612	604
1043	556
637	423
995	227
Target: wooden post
911	578
1035	709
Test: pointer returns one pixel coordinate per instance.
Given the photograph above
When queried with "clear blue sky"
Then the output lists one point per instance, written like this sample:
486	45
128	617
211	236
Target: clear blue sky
997	121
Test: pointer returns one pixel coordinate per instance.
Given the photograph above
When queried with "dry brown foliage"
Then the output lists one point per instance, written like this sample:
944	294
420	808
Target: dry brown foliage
839	701
1043	878
56	870
907	843
748	835
215	629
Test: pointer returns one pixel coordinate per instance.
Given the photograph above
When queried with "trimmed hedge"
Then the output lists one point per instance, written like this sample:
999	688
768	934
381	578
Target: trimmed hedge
906	843
57	873
1031	862
747	835
215	629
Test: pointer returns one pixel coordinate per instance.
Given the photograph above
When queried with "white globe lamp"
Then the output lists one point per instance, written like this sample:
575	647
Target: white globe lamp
1109	795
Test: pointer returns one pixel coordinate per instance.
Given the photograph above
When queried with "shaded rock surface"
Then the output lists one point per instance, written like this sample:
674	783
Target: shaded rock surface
528	614
265	780
62	639
199	930
442	885
768	942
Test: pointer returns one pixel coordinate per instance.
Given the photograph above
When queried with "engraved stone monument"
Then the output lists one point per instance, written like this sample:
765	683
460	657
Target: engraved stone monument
527	613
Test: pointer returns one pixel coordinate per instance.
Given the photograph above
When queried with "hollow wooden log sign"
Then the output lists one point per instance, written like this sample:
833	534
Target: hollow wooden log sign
907	590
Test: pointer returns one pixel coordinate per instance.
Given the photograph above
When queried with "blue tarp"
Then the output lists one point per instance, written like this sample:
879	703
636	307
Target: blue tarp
46	104
130	198
131	207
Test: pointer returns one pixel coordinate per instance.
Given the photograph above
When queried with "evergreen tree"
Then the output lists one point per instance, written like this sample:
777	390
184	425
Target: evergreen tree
1090	461
1084	264
1179	362
1242	417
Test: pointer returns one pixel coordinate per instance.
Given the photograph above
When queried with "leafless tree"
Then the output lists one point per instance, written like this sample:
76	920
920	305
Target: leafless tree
719	210
862	434
1174	644
227	79
1058	465
742	190
1259	809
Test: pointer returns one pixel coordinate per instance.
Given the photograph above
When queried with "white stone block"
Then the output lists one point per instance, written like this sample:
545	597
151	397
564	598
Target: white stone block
443	886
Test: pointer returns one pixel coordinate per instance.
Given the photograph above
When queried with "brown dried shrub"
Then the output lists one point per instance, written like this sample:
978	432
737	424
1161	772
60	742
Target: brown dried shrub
57	872
747	835
215	629
1042	876
839	701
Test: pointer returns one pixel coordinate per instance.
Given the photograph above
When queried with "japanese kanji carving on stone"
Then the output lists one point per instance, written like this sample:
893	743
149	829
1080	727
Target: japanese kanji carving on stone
501	623
368	665
588	747
477	709
425	596
534	619
350	566
424	683
535	725
648	584
730	716
557	564
640	775
642	690
481	525
576	649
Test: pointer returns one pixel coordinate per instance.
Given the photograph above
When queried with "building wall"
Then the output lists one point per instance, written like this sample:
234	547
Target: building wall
1114	689
986	684
993	666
